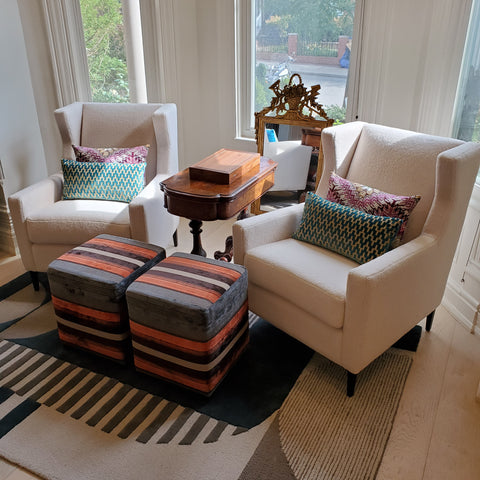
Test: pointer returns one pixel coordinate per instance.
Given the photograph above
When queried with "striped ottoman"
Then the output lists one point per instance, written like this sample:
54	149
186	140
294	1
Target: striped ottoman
189	320
88	286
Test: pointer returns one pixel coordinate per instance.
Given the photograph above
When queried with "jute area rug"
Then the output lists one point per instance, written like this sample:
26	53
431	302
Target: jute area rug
282	412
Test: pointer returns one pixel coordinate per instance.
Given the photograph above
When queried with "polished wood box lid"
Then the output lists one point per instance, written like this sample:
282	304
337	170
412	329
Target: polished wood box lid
225	166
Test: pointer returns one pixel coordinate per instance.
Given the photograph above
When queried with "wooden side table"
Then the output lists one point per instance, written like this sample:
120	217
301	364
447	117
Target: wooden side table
202	201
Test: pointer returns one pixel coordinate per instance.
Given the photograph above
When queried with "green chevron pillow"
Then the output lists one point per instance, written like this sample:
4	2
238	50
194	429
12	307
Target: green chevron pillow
120	182
345	230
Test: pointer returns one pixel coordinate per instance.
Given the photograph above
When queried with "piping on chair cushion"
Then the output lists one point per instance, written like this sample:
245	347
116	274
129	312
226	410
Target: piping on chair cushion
111	154
345	230
373	201
120	182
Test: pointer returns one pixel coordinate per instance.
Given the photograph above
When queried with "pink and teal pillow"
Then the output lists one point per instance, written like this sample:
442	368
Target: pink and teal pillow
120	182
373	201
345	230
111	154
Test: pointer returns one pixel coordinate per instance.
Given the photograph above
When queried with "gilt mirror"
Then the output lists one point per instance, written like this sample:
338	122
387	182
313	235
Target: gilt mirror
288	131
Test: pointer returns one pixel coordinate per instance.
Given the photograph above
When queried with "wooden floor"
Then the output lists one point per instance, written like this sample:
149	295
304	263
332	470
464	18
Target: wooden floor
436	434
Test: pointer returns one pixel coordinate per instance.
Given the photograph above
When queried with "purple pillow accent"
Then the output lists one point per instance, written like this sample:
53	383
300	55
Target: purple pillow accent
372	201
111	154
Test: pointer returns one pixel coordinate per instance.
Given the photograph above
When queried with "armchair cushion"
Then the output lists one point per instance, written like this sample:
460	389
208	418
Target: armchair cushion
69	222
111	154
120	182
345	230
373	201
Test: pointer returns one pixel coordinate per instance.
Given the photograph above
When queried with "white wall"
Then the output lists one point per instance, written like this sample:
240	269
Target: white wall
21	144
462	296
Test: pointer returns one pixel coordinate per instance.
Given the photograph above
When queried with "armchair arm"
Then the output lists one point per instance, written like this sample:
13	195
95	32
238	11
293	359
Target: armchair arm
149	219
388	296
30	199
266	228
69	121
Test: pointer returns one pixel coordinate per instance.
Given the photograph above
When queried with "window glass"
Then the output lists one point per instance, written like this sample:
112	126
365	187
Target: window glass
467	118
104	40
310	37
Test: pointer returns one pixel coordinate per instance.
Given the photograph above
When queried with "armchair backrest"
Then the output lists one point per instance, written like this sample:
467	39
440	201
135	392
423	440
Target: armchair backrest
399	162
122	125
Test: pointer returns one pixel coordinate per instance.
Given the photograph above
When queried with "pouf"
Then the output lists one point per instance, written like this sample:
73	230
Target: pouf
189	320
88	285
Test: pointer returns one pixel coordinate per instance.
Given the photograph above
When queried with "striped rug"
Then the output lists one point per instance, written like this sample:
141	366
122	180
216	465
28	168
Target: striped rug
99	401
65	420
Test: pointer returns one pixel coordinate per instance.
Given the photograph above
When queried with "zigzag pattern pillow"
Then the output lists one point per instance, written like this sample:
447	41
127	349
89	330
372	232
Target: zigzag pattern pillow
111	154
345	230
120	182
373	201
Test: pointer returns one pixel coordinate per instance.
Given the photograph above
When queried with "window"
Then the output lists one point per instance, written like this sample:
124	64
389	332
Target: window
467	115
112	33
312	38
105	45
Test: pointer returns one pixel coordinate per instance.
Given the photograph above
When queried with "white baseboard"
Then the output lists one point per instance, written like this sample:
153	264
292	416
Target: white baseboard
461	306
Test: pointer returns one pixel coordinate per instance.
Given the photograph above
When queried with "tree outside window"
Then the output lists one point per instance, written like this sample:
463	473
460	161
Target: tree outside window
104	40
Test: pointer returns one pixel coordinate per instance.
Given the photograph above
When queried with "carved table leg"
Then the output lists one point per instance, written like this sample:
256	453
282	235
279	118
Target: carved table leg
196	230
227	255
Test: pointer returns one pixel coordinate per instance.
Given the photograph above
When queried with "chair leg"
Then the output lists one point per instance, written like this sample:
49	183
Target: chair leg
428	325
175	238
35	280
351	379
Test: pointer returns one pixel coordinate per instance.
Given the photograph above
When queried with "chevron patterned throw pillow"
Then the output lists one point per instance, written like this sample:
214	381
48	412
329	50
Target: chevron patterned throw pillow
345	230
120	182
373	201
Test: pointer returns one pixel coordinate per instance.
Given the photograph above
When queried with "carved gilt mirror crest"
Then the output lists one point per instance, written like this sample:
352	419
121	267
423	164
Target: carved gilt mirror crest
288	131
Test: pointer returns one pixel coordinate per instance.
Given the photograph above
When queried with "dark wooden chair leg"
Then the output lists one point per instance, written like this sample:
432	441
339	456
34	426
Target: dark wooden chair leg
428	325
175	238
35	280
351	379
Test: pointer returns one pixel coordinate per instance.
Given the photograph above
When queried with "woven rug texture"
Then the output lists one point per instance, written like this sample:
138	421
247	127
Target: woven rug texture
65	419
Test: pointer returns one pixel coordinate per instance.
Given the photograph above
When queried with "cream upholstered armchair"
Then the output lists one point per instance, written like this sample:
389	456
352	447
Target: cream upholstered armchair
349	312
46	226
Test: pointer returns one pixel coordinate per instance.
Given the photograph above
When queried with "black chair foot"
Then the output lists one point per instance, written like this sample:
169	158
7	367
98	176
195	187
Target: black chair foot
175	238
428	324
35	281
351	379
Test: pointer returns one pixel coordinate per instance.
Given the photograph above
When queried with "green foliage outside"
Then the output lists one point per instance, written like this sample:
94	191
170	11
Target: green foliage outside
336	112
104	40
316	20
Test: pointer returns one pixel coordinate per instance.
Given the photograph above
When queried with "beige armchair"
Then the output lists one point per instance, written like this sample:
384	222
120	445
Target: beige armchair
352	313
47	226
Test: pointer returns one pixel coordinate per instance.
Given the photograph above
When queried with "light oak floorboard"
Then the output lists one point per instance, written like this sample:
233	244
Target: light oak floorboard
409	441
455	446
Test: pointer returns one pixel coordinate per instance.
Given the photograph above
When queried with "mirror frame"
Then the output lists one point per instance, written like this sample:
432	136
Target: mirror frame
294	105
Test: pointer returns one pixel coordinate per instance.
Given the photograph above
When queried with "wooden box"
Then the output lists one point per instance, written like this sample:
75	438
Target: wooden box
225	166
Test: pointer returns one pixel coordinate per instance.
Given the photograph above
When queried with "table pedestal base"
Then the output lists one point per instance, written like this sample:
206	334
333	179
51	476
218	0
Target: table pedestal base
196	230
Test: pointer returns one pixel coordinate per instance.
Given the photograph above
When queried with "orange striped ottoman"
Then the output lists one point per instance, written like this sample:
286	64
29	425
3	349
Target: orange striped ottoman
88	285
189	320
